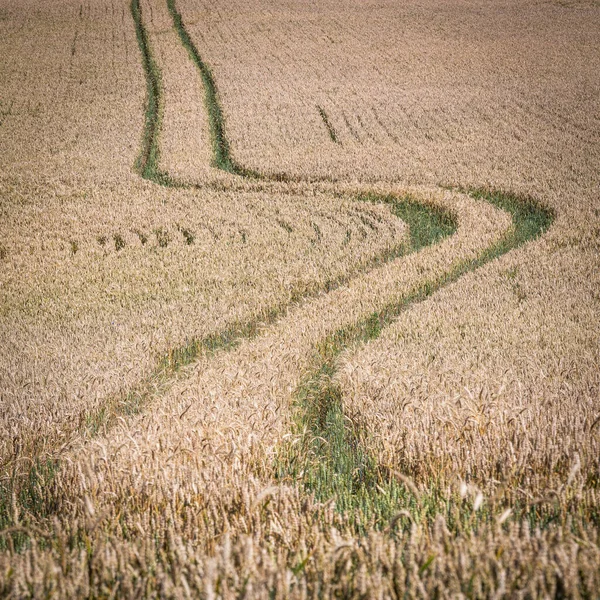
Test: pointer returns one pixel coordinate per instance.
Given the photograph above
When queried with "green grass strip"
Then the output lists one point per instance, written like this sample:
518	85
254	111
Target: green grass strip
331	460
147	163
221	152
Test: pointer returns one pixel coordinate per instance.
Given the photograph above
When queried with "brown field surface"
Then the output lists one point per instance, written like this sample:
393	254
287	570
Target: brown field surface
299	299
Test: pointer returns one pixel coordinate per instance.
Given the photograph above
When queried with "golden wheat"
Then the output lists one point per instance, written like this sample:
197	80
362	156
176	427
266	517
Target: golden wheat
477	407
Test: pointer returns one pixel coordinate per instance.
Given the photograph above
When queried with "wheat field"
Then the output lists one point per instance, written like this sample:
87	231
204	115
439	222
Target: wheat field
299	300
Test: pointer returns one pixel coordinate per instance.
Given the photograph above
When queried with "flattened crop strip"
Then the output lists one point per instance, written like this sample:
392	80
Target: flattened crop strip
147	161
331	459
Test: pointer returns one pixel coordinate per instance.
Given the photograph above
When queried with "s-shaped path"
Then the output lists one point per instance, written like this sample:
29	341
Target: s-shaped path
233	408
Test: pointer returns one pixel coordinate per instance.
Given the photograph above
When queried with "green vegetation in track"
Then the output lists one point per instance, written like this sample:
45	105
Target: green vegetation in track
221	152
328	125
427	224
332	459
147	162
148	158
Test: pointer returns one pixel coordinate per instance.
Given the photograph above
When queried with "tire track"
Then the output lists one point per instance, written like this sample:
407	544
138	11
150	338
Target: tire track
327	438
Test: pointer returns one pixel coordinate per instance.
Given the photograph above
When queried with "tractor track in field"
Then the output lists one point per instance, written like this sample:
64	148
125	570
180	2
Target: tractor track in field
354	481
319	410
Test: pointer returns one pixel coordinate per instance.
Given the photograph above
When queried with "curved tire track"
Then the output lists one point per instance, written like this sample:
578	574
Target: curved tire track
320	404
428	223
347	325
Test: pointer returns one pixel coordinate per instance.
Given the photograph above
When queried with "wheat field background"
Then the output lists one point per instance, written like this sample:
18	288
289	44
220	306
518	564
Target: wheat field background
299	299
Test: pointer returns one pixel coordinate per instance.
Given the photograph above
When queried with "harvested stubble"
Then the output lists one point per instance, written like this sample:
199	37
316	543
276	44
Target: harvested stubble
184	500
